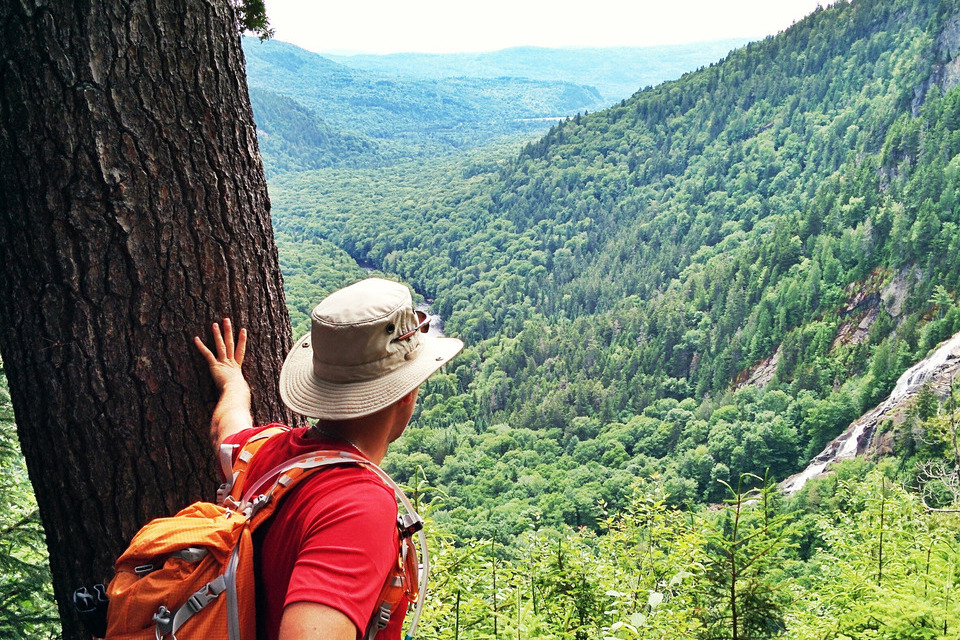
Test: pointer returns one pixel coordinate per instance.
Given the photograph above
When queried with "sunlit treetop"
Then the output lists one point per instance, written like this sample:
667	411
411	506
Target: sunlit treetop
252	18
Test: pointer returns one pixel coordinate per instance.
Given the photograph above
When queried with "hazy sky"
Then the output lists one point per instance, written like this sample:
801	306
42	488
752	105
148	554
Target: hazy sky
443	26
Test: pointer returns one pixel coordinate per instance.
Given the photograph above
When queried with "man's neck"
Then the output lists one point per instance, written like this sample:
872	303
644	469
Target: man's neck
372	433
370	439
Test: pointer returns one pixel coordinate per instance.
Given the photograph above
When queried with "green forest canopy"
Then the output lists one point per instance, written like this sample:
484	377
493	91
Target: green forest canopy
617	281
793	206
615	278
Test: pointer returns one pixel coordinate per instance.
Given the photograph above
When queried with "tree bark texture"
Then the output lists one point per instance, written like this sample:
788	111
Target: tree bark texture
133	213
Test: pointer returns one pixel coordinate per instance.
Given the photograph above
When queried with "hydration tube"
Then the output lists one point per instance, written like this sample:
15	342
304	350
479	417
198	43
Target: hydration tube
332	457
424	554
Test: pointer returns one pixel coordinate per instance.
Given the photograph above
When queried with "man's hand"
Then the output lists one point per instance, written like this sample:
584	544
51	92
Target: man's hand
232	413
225	366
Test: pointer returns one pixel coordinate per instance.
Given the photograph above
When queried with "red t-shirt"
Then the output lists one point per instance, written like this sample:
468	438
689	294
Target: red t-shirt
332	541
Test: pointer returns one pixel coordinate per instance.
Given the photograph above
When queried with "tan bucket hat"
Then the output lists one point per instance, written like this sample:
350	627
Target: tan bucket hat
367	348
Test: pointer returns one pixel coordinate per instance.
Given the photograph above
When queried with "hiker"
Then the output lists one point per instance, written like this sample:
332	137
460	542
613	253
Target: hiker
324	557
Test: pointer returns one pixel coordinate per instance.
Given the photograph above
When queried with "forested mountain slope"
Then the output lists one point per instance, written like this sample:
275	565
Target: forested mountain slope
294	138
711	279
617	277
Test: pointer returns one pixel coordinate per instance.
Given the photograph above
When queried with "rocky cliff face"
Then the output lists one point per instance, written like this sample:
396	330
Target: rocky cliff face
946	71
865	300
937	370
945	67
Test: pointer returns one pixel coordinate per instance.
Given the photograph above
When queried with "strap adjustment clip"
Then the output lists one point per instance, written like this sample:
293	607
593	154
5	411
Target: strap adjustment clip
409	524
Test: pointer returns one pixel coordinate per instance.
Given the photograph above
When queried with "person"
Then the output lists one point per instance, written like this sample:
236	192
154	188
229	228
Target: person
324	556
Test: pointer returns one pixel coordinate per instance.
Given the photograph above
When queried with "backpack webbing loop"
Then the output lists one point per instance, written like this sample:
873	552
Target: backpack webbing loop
169	622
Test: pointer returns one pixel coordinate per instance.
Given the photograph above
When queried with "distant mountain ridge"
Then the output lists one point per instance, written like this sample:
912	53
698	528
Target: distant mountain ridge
374	118
616	72
367	111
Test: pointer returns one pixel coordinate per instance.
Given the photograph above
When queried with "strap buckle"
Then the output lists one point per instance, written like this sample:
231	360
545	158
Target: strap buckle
199	600
256	504
379	622
168	622
409	524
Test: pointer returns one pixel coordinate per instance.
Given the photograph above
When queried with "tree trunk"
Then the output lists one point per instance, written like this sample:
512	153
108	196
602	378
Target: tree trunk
133	213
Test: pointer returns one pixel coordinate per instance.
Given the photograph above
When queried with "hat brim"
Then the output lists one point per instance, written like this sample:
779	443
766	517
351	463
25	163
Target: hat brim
312	397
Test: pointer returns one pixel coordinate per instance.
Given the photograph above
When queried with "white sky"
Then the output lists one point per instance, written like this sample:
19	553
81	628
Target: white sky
445	26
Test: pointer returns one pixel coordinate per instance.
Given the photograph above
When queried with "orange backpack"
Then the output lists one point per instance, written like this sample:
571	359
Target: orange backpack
192	575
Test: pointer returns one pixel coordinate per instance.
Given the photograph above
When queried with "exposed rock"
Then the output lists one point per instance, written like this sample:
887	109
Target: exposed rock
947	74
763	373
945	70
894	293
864	309
864	305
938	370
864	302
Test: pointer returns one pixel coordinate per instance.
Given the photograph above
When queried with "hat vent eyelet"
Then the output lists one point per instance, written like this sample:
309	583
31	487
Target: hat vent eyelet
391	328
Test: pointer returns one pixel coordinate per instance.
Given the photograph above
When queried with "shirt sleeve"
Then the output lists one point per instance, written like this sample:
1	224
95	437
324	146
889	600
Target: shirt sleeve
349	547
240	438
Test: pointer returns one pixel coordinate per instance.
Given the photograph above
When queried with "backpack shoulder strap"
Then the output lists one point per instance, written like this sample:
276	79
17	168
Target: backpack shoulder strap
235	471
263	496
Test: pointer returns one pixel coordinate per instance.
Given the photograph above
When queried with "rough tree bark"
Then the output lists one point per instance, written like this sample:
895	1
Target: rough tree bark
133	213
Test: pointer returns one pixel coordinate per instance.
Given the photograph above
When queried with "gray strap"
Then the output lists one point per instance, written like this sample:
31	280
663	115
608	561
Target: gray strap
379	622
226	468
226	460
312	460
169	622
233	606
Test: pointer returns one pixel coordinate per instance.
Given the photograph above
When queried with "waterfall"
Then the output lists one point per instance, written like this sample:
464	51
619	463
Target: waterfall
940	366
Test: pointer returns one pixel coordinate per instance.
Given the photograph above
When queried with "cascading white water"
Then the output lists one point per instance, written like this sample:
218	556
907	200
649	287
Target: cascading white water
945	361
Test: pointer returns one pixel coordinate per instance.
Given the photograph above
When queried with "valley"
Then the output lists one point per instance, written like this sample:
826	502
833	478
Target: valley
710	297
786	216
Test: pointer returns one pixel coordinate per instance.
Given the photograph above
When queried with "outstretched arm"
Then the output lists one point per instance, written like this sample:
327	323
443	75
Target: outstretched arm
232	413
